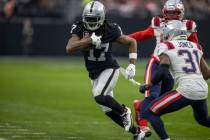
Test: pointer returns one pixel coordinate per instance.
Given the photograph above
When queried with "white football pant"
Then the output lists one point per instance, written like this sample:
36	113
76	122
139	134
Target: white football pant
105	84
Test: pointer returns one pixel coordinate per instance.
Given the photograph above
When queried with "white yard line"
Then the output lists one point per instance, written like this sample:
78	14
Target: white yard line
6	129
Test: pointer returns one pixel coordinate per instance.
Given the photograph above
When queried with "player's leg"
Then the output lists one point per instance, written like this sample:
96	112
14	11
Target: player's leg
107	79
112	114
137	106
166	103
138	103
102	89
150	95
167	84
200	111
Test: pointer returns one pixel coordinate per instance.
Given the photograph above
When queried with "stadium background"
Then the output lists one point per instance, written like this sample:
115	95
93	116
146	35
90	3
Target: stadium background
46	95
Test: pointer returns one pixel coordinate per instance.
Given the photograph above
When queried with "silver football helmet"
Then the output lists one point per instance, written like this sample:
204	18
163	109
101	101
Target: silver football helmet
173	9
93	15
174	31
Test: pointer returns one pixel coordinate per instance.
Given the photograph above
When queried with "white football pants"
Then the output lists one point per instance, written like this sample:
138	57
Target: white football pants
105	84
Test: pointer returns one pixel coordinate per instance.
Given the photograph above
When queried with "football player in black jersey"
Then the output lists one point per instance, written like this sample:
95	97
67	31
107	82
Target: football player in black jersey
94	36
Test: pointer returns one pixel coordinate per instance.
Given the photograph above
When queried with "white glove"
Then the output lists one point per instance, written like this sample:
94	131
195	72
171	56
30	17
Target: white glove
96	40
130	71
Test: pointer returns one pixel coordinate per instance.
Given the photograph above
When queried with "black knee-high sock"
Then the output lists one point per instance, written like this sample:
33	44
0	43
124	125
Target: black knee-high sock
118	120
111	103
115	117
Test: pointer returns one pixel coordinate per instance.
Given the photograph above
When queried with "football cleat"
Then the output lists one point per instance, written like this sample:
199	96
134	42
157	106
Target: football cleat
127	119
140	135
146	130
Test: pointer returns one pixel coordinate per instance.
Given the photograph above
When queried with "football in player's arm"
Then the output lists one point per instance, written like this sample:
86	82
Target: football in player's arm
75	43
93	36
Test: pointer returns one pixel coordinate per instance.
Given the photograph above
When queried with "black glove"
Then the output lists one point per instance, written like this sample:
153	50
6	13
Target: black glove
143	88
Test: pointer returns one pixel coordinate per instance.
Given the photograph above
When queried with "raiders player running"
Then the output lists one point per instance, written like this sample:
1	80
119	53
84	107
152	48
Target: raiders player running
94	36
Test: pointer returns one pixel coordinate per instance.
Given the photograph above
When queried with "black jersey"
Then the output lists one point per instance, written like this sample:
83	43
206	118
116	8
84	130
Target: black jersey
96	60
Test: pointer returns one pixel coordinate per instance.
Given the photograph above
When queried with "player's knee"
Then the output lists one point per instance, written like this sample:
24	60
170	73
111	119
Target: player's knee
106	109
100	99
103	100
146	113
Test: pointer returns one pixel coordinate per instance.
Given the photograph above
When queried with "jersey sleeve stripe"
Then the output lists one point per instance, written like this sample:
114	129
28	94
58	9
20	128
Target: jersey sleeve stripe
155	22
189	25
169	45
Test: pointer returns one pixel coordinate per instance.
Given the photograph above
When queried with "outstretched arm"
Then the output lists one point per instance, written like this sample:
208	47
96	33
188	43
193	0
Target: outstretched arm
143	35
193	38
130	71
132	45
205	69
76	44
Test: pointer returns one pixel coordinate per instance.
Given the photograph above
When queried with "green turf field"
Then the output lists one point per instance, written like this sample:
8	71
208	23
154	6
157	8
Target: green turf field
50	99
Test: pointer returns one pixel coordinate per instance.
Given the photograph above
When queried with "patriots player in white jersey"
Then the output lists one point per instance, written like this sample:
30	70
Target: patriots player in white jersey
184	60
172	10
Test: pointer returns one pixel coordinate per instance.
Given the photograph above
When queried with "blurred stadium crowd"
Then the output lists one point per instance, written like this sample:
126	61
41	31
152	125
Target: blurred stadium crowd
69	9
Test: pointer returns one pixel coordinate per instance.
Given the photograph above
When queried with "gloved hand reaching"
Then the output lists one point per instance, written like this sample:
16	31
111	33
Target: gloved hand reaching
130	71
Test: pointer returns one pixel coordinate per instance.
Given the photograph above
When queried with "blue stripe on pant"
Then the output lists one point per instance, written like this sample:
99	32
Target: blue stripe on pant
171	102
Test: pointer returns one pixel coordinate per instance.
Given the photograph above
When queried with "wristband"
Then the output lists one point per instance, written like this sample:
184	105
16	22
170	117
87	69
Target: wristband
133	55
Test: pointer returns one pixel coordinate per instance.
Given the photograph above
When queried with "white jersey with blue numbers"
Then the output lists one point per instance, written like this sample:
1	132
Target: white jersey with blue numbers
158	24
185	59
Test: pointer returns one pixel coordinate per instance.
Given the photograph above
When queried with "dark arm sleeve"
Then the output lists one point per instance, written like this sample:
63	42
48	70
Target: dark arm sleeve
76	29
116	31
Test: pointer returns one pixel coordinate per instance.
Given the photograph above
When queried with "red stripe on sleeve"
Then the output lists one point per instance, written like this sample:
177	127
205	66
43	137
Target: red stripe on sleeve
193	37
188	25
169	45
191	24
157	21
